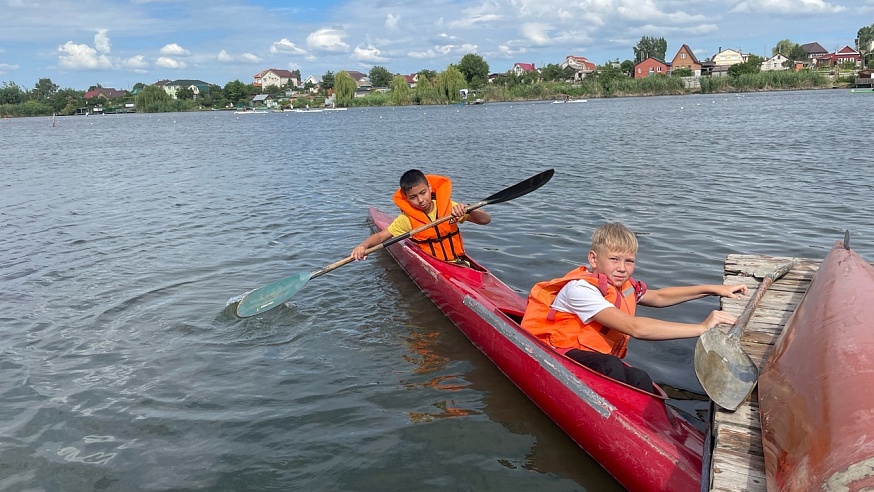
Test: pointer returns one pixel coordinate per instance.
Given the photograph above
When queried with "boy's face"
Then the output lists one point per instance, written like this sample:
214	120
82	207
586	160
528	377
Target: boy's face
617	266
419	197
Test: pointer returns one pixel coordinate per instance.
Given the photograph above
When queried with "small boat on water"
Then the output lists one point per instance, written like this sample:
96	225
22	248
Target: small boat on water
640	440
251	111
564	101
816	414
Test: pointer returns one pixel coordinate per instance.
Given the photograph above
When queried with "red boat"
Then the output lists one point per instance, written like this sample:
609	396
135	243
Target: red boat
641	441
816	413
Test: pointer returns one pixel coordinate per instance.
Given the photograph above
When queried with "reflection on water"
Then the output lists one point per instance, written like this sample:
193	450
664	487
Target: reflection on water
125	235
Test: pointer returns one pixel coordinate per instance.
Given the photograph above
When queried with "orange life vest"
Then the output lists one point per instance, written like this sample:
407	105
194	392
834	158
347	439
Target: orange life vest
567	330
442	241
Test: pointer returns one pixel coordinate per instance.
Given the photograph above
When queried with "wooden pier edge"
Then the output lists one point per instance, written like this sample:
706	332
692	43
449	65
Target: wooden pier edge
733	457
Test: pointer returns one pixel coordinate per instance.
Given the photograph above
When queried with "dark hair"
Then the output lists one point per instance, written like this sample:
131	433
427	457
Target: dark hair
411	179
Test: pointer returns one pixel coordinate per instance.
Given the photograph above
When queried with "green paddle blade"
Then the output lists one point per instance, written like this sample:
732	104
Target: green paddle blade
269	296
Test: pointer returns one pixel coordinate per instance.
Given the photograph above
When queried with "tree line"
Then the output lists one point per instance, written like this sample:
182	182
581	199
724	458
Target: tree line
432	87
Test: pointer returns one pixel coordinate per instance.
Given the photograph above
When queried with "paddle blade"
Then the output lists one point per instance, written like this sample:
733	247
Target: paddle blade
725	371
272	295
522	188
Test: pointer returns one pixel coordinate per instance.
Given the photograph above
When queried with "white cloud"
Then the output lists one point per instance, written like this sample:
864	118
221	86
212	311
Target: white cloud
81	57
101	41
167	62
136	63
444	50
287	47
327	40
391	21
367	54
536	33
226	57
6	68
174	49
787	7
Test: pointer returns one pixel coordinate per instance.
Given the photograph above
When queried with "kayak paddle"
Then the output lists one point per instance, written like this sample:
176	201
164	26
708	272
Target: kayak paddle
725	371
272	295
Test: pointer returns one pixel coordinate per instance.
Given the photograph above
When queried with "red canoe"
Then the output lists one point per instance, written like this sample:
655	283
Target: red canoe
815	396
634	435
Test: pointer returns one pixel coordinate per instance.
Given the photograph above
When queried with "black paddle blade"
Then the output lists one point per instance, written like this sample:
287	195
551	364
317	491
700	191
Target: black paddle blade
522	188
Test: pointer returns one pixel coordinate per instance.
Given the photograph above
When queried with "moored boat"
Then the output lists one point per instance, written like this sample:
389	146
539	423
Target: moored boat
640	440
816	413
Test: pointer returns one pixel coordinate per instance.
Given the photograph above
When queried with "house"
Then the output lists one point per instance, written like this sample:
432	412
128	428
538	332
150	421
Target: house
314	82
650	67
814	51
520	69
839	57
775	63
580	65
497	77
865	78
105	93
198	87
686	59
274	77
362	81
727	58
412	80
261	100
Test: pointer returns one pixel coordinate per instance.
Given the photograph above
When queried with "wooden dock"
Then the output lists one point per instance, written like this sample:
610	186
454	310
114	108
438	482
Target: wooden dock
737	462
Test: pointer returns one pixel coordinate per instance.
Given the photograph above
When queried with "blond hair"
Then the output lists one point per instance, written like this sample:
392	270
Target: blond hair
614	236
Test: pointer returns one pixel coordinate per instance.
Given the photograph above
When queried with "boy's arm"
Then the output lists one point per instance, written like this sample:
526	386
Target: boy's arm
373	240
656	329
668	296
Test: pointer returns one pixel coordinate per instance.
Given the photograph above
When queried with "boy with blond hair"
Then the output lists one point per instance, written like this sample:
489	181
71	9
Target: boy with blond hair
589	314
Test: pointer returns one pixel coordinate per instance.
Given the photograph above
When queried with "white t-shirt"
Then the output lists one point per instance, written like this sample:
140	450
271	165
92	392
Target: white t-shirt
581	298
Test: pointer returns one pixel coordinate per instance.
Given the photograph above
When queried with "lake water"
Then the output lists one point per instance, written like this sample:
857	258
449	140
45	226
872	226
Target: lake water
125	235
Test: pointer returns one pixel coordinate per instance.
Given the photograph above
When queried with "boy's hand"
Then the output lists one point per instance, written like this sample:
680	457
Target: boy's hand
459	210
730	291
718	317
358	253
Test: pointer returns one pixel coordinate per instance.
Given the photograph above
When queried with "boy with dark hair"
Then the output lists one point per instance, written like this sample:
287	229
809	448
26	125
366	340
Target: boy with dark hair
423	199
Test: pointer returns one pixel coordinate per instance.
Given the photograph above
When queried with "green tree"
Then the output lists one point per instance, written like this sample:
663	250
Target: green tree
449	83
627	67
401	94
152	99
650	47
380	76
328	80
185	94
475	70
44	90
10	93
752	65
864	39
236	92
783	47
431	75
344	88
553	73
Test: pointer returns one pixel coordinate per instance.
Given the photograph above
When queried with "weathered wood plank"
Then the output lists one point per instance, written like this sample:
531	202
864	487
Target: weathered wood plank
737	461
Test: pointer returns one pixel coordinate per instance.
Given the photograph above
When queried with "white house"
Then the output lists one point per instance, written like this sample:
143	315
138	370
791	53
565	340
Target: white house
775	63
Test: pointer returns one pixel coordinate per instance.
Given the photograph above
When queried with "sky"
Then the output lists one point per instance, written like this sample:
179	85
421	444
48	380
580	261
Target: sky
117	43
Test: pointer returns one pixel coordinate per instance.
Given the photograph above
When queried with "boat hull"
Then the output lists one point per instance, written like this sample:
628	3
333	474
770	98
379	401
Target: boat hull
816	413
634	435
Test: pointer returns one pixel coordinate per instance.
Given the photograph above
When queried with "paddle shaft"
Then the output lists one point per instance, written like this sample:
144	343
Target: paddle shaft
389	242
744	318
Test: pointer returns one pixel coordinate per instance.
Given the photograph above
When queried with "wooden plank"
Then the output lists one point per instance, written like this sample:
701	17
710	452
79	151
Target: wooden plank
737	461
